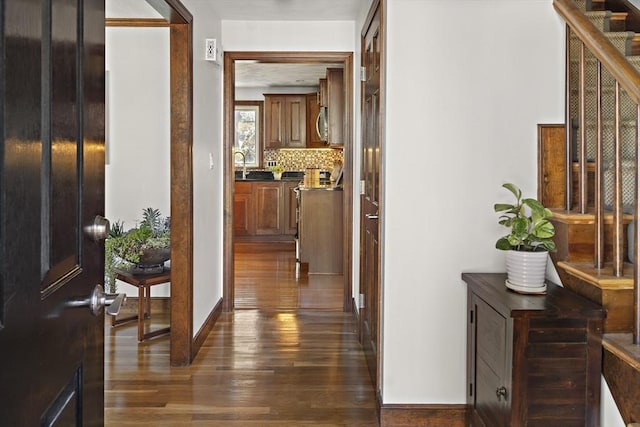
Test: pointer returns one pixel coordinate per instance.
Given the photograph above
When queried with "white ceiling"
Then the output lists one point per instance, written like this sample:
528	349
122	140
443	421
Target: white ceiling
252	74
252	10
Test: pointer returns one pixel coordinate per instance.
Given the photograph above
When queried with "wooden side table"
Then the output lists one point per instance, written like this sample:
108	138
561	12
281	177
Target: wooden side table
143	282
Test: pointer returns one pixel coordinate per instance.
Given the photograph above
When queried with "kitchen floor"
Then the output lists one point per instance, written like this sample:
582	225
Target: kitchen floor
265	278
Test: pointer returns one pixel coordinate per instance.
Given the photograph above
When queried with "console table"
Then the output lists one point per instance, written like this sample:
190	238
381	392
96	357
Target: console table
531	359
143	282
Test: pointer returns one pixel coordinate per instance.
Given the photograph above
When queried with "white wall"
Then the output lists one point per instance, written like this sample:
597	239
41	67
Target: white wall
467	83
137	173
334	36
207	183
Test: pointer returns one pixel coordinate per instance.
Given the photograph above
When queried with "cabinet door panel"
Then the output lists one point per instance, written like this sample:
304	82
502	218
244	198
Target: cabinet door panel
290	208
269	207
243	215
335	94
313	109
491	364
296	121
274	119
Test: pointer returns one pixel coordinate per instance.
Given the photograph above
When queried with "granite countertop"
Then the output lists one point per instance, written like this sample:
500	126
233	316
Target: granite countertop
264	175
322	186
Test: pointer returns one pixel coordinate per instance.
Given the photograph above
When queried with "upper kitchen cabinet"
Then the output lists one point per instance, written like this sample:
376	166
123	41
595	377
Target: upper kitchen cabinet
322	92
335	106
285	121
313	111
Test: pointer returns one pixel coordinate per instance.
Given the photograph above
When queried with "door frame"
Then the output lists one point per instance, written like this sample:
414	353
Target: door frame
228	291
180	23
376	5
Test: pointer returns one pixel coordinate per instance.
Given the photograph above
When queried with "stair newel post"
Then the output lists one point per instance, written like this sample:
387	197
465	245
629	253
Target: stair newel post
599	202
618	238
568	138
582	148
636	238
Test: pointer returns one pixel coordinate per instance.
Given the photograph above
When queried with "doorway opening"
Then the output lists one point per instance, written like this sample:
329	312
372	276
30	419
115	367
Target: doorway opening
179	20
232	60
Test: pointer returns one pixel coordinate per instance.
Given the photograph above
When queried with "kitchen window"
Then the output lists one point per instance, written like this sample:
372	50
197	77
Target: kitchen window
248	133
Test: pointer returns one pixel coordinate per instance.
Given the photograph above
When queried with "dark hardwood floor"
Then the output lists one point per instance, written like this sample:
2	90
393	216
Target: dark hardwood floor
265	278
278	361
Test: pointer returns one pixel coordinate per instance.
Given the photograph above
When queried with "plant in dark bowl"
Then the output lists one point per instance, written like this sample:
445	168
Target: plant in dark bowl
140	250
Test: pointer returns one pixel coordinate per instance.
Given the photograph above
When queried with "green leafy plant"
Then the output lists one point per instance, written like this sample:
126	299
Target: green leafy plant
531	230
126	248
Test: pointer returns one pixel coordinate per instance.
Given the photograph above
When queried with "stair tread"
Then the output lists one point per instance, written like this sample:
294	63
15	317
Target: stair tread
621	344
575	217
602	278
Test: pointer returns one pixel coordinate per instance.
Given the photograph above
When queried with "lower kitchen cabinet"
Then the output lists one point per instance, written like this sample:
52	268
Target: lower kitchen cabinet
262	210
269	208
290	207
243	217
532	360
320	234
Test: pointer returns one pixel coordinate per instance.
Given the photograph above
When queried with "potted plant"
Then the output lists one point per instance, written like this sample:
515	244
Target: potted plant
277	171
142	250
528	242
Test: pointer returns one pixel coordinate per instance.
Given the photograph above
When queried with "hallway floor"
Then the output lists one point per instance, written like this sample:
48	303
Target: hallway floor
268	366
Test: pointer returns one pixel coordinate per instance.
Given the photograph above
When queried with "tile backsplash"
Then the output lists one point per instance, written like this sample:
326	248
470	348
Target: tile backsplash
299	159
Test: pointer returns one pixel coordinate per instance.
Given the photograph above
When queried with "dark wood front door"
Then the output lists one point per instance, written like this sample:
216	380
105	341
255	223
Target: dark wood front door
51	187
370	200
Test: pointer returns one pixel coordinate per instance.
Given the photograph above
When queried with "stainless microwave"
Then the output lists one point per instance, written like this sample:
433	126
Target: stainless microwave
321	124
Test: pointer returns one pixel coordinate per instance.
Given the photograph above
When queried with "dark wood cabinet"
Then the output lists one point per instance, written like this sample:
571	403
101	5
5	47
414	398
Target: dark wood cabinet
285	121
269	208
321	237
243	217
290	226
322	92
335	106
532	360
313	109
264	210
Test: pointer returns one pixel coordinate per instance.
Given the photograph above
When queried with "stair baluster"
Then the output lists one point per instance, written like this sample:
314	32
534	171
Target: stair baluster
618	236
598	182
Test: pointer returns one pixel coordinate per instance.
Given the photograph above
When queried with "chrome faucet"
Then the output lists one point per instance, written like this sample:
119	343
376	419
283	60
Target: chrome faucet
244	164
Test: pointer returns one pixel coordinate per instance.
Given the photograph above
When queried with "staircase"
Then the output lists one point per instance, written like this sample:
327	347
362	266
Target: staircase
592	189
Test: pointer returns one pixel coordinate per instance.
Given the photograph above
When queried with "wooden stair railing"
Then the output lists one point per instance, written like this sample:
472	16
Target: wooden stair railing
590	239
608	57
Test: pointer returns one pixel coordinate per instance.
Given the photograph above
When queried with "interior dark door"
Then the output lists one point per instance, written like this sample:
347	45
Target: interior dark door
370	200
51	187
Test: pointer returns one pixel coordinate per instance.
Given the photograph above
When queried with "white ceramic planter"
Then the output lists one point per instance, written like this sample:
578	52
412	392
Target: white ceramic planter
526	271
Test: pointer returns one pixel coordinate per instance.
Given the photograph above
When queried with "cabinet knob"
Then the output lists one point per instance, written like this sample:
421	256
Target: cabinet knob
501	392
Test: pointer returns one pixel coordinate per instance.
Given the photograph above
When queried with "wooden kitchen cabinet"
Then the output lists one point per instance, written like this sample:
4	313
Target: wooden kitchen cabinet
335	106
313	109
322	93
290	226
269	208
285	121
264	210
243	216
320	233
532	360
